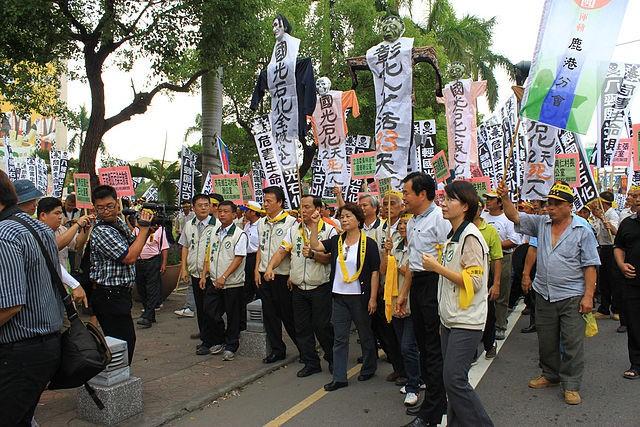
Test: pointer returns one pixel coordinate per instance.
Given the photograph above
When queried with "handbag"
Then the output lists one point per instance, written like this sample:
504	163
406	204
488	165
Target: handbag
85	352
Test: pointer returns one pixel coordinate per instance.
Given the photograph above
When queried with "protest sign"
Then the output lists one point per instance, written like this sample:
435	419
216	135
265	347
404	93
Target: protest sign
247	188
374	187
384	185
228	186
363	165
82	188
354	145
622	155
567	168
440	167
634	146
206	185
119	177
482	184
188	161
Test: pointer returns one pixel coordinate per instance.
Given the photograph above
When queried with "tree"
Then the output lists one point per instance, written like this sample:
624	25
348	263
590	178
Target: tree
161	177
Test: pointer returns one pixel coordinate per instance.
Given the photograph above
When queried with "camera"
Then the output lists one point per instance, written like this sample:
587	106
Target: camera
161	213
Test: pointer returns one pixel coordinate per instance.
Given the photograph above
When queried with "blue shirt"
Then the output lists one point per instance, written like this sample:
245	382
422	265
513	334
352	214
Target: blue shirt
559	269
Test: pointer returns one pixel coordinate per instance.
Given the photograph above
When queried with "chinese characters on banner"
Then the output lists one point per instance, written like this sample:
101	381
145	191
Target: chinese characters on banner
317	180
151	194
355	145
228	186
620	84
423	147
567	168
391	65
496	143
206	186
485	156
460	105
586	189
258	178
82	188
119	177
188	161
482	184
247	188
574	38
622	155
59	162
281	77
440	167
540	162
363	165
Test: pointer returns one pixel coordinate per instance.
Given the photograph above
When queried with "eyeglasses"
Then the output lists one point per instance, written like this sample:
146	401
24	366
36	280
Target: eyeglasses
108	207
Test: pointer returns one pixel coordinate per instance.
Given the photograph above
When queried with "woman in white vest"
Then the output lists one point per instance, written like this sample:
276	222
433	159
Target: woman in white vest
462	302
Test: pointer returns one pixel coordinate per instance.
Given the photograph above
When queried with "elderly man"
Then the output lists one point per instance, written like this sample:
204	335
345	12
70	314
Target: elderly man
565	282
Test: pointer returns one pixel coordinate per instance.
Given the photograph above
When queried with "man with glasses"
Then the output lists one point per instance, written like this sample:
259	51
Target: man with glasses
113	253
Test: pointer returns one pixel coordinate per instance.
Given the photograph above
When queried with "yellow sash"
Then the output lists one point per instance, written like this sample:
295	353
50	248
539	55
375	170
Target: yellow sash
466	292
341	260
390	286
303	231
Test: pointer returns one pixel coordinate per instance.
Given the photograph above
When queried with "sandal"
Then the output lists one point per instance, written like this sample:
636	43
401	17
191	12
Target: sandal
631	374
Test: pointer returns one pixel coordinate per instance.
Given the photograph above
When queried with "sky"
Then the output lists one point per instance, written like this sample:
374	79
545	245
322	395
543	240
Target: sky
515	36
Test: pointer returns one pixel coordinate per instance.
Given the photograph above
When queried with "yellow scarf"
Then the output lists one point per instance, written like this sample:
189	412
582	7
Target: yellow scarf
390	286
341	260
303	231
278	218
466	293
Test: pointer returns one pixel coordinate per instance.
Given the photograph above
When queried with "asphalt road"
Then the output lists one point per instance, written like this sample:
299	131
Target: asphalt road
283	399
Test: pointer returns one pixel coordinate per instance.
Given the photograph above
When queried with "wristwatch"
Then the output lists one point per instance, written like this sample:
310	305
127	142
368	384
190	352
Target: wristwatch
313	254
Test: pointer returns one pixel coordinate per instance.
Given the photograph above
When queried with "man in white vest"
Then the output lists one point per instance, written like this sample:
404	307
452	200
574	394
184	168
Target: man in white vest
310	271
277	304
223	282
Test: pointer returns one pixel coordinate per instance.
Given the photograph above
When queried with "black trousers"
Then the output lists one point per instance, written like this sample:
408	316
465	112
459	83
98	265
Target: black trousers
149	285
216	303
385	334
277	309
426	322
312	318
631	298
112	306
206	323
249	287
606	283
198	297
25	370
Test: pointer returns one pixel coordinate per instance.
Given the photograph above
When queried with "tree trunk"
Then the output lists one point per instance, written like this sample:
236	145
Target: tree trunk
211	120
96	128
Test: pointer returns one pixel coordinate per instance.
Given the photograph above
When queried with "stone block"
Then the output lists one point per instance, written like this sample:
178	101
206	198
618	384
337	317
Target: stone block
253	344
254	316
121	401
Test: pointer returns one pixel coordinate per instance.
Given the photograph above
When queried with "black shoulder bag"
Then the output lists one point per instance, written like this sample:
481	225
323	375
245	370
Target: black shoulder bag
85	352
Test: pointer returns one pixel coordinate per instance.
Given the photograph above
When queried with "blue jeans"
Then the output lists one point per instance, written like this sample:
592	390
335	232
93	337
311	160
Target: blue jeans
403	327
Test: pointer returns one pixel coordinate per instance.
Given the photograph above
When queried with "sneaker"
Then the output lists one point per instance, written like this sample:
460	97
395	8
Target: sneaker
159	307
217	349
500	335
403	389
410	399
541	382
491	353
184	312
228	355
203	350
572	397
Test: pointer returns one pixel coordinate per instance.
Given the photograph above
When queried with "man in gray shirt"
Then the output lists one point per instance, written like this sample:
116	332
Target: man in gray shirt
565	282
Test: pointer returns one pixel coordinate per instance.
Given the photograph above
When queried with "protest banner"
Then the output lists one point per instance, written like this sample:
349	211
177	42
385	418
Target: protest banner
635	142
119	177
440	167
563	84
228	186
151	194
567	169
354	145
206	185
247	188
258	178
363	165
423	147
374	187
622	155
384	185
188	161
538	167
482	184
59	163
82	188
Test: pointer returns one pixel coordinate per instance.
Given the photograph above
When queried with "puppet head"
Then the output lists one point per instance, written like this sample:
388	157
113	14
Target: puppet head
280	26
323	86
392	28
456	70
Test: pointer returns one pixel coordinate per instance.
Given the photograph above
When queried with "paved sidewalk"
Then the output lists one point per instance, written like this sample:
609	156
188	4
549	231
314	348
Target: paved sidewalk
175	380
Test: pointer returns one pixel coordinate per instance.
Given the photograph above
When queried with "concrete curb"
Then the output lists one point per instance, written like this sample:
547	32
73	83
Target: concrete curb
177	411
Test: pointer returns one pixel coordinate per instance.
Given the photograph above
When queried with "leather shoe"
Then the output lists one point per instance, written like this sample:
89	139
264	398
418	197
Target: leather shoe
307	370
365	377
334	385
144	323
529	329
413	411
360	359
272	358
417	422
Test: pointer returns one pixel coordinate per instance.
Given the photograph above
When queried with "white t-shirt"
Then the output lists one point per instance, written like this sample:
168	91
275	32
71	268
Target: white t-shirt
339	285
505	228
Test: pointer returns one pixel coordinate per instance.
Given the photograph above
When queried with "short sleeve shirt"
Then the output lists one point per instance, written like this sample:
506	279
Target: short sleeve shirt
109	245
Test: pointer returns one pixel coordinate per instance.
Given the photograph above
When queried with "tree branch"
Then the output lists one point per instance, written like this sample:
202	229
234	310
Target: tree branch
82	34
142	100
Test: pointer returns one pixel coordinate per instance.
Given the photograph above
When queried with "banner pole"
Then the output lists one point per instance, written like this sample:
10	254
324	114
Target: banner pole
518	91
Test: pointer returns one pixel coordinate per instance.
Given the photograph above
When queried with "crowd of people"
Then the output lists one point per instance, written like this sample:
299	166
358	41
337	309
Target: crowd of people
429	284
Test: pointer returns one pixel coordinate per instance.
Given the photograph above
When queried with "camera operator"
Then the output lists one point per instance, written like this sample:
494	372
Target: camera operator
114	251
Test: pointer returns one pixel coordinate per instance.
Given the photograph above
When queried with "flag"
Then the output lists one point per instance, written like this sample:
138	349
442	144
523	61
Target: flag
575	38
224	155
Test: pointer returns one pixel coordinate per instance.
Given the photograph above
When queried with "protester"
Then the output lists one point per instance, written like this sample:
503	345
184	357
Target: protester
372	223
252	213
426	232
355	263
31	310
113	253
565	283
195	238
462	302
309	276
151	264
222	281
186	214
277	304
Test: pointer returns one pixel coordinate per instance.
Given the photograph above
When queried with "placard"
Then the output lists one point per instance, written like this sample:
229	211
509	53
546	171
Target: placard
363	165
384	185
622	154
228	186
119	177
440	167
634	147
567	168
82	188
482	184
247	188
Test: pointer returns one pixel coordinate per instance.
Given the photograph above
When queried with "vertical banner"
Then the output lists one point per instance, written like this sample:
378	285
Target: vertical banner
188	161
355	145
620	84
392	68
586	190
423	146
258	177
151	195
206	185
460	105
247	188
485	157
317	179
540	162
82	188
574	38
137	180
31	171
496	144
59	161
11	163
42	178
119	177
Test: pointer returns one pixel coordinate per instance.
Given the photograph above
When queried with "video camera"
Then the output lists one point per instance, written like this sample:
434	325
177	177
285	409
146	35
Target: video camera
161	213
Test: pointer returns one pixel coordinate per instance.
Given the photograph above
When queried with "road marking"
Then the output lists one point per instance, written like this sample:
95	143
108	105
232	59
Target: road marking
308	401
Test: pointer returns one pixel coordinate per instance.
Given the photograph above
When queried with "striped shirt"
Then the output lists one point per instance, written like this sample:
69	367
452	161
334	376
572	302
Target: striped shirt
25	280
109	245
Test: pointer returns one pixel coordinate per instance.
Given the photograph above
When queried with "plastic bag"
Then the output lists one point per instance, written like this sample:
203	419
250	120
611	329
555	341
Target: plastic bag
591	328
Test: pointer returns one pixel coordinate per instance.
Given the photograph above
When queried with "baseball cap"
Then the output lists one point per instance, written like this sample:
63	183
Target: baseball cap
561	191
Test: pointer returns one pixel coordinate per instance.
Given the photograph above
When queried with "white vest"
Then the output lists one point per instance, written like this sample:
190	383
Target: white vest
197	243
306	273
271	236
222	255
451	314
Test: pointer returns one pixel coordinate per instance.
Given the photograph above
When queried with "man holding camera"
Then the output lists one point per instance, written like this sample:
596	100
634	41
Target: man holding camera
113	253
